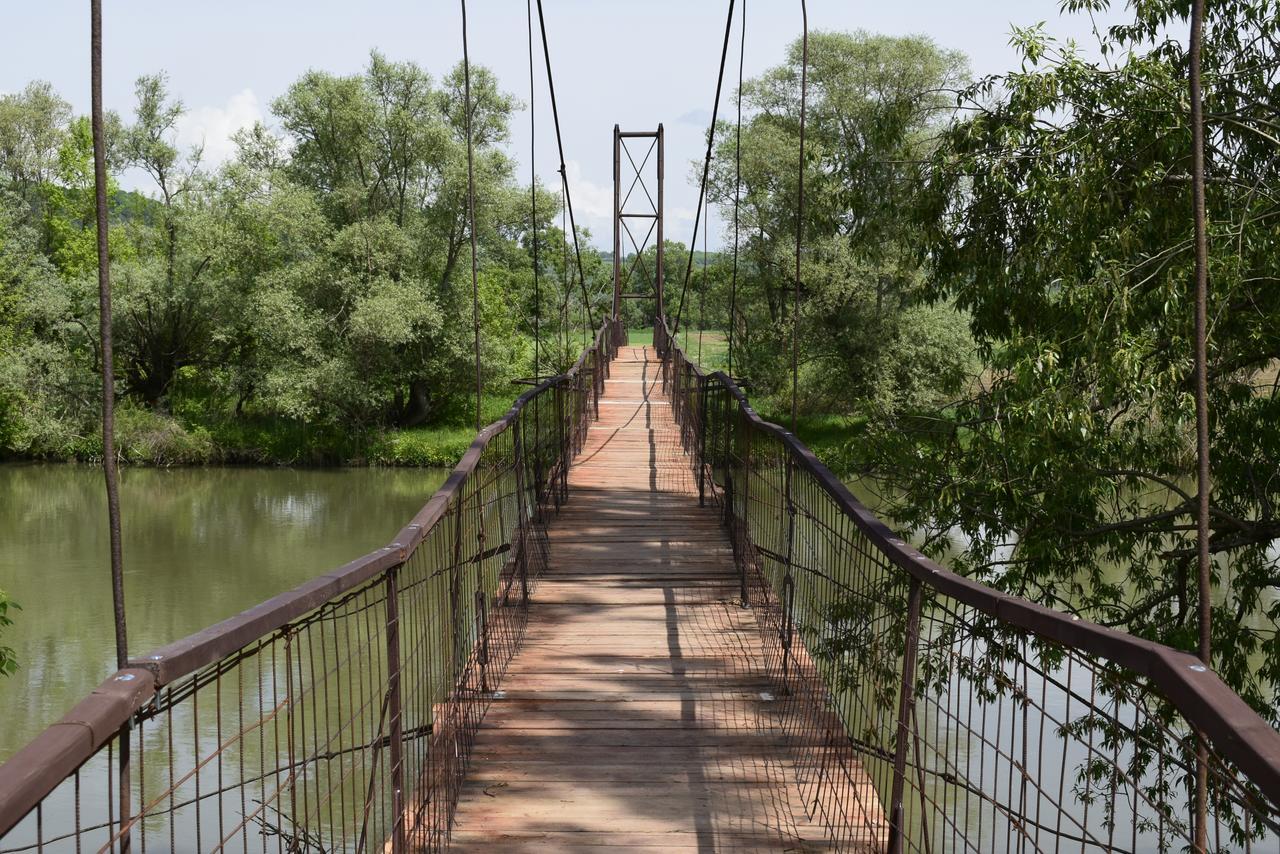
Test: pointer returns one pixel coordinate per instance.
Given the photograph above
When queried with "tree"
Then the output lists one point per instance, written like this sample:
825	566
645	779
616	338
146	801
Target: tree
166	301
875	105
32	126
1059	217
366	338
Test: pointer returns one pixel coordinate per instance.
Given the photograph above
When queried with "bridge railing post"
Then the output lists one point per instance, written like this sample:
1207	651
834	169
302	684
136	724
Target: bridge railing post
746	508
482	633
538	445
561	487
602	370
481	600
906	702
395	713
788	579
522	531
703	387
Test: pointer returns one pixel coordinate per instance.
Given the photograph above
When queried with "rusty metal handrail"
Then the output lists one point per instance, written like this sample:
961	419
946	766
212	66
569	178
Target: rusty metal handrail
36	770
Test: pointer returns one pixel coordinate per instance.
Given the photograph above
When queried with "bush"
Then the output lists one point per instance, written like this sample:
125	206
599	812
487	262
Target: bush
421	447
142	437
8	663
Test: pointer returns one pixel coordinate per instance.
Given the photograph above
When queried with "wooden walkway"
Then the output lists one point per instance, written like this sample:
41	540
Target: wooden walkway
636	714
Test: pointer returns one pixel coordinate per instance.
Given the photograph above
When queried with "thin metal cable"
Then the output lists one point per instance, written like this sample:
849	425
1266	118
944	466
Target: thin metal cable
564	177
737	191
1203	485
706	166
533	204
109	471
702	296
471	211
564	267
110	474
795	310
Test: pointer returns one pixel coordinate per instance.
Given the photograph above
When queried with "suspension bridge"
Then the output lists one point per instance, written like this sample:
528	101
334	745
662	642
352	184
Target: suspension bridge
638	616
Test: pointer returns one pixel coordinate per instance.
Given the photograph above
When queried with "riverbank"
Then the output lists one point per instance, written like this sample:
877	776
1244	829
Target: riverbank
146	438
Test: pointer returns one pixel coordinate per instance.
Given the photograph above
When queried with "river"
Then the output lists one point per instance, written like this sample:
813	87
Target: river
200	545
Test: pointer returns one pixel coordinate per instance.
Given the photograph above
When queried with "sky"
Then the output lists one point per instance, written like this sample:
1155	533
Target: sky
635	63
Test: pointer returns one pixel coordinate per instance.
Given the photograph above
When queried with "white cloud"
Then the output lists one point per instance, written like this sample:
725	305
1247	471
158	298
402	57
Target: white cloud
213	127
589	198
700	117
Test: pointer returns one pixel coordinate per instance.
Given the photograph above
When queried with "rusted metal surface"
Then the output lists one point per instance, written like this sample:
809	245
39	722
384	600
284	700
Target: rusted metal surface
1025	727
650	209
337	716
40	766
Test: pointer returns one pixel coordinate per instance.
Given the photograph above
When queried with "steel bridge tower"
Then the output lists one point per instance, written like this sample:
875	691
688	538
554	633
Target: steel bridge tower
635	208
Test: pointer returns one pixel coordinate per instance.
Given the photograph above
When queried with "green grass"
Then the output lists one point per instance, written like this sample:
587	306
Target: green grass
833	438
714	352
421	446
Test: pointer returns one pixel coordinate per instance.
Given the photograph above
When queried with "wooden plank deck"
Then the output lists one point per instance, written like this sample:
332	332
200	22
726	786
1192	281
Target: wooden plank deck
636	714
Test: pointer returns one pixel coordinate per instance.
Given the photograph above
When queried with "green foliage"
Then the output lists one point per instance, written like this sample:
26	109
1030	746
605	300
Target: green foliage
308	295
1058	215
8	663
32	127
422	447
875	105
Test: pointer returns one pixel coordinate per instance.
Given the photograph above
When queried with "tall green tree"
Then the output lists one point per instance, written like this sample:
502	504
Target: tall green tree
875	106
167	301
33	123
368	337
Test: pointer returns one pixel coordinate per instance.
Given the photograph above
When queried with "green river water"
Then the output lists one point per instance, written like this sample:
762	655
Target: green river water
200	545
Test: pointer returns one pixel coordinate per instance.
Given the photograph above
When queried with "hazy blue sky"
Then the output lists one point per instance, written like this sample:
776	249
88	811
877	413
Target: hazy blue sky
637	62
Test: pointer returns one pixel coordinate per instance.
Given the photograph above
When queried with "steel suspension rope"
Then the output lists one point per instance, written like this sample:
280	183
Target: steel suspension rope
702	294
564	177
123	793
737	191
1203	485
533	204
109	469
795	308
471	211
706	166
565	281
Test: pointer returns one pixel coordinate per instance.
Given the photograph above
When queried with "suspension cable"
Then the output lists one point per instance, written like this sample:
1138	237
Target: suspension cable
471	210
795	310
1203	471
737	190
533	204
566	286
564	177
110	473
706	165
702	296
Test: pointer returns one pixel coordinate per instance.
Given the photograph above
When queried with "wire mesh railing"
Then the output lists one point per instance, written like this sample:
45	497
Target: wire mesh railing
338	716
977	721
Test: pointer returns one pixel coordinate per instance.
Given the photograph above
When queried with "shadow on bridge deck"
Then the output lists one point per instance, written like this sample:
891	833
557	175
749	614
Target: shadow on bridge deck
637	713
